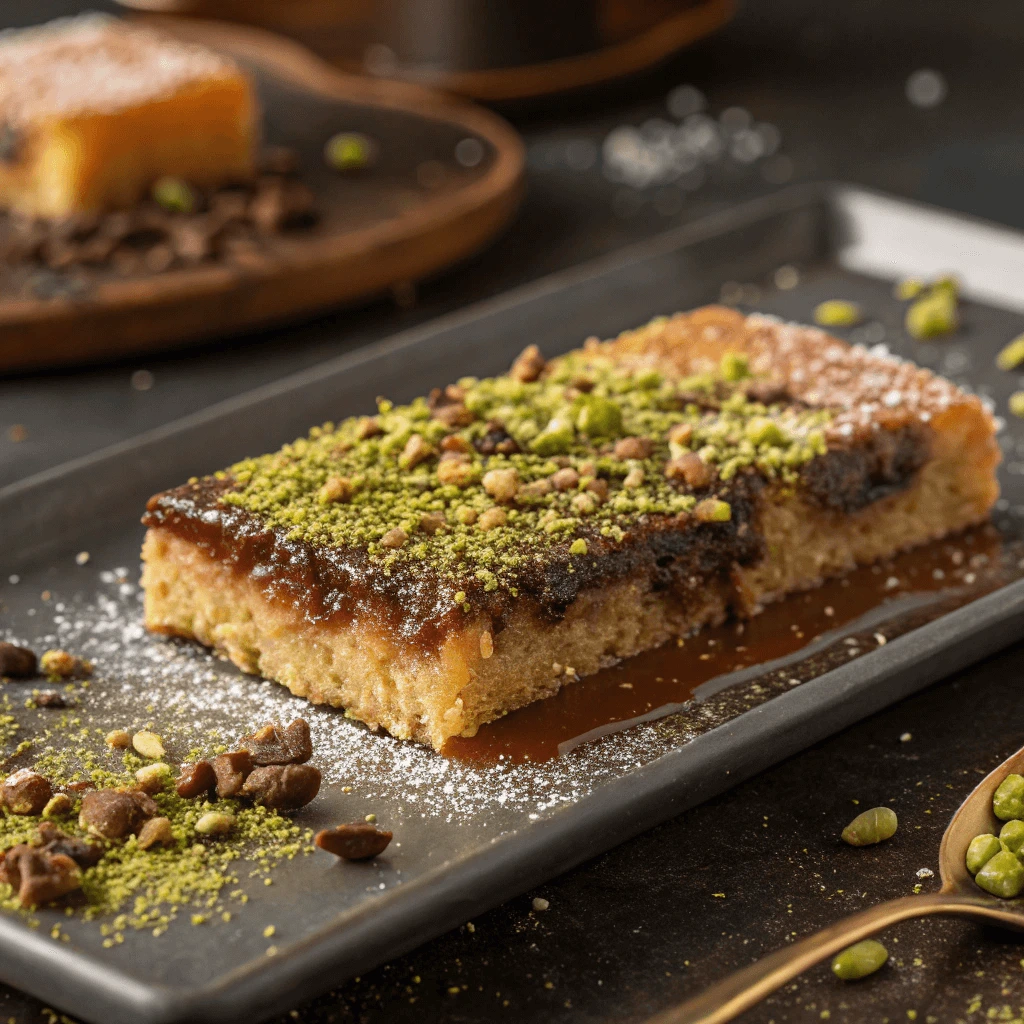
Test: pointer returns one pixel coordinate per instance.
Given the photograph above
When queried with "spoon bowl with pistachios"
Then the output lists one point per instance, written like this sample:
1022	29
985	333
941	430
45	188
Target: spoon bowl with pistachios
973	837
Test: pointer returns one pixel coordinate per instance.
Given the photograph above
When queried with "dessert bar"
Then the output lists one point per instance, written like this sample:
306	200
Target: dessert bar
437	565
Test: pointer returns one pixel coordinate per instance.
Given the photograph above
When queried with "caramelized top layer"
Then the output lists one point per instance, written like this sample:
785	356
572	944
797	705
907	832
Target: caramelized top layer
95	64
646	455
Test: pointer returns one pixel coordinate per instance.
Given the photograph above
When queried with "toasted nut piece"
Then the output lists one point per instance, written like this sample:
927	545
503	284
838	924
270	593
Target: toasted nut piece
457	472
148	744
529	365
394	538
119	739
153	777
634	448
492	518
232	770
215	823
38	876
369	426
681	433
455	444
634	478
16	662
156	832
58	805
61	665
26	792
690	468
52	840
283	787
416	450
358	841
432	522
454	415
534	489
49	699
337	488
113	814
195	779
276	745
599	488
584	504
501	484
565	479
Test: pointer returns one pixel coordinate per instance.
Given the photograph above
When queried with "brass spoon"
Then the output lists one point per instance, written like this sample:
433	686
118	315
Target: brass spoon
959	895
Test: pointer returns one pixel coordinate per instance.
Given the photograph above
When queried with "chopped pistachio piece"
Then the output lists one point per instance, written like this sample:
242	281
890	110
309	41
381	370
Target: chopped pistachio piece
175	195
1012	355
837	313
909	288
932	315
350	151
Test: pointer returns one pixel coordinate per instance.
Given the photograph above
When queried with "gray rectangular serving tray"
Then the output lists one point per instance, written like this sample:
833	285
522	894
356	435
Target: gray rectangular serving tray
847	243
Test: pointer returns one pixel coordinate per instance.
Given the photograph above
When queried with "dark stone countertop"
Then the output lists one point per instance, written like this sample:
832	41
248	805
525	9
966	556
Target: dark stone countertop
639	928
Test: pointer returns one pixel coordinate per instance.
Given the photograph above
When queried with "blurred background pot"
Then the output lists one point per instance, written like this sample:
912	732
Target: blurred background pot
486	49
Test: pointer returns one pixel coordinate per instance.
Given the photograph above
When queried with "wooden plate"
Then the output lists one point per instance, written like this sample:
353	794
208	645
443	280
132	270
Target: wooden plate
418	210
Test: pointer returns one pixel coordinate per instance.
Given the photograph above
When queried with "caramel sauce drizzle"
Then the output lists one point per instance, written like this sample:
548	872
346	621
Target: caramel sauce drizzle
656	683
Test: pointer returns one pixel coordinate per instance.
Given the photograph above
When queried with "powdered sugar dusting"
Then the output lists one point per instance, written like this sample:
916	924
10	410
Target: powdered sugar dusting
194	699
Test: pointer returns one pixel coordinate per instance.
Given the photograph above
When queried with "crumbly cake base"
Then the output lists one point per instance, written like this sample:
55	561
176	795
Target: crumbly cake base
430	695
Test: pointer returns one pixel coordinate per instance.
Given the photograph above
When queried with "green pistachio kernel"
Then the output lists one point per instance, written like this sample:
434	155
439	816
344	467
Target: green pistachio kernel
981	850
1012	355
1008	799
837	313
579	547
175	195
555	439
1012	835
869	827
948	283
909	288
859	960
761	430
932	315
1016	404
350	151
1002	875
734	367
712	510
599	417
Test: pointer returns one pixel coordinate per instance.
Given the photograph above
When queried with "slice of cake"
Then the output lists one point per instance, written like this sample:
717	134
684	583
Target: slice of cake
93	110
439	564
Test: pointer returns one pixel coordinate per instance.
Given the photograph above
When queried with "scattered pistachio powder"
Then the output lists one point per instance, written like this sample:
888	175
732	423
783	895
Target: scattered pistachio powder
379	484
132	888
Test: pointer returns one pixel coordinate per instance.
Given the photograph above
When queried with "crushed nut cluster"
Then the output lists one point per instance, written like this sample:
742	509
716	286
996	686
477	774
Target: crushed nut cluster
117	822
566	455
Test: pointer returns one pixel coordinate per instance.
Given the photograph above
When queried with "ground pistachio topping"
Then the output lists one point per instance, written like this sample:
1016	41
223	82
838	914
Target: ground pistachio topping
480	477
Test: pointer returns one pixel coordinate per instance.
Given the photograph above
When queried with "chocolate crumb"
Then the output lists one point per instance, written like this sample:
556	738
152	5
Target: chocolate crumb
283	787
196	779
231	771
356	841
276	745
38	876
16	662
26	792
